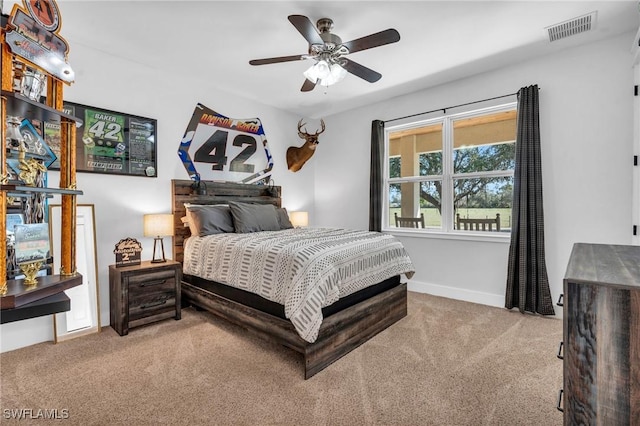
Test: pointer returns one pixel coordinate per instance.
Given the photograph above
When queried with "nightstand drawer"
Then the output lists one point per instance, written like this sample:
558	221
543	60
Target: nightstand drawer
152	282
150	305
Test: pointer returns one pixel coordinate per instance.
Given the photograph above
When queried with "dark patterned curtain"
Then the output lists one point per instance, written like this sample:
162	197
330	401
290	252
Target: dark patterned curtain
527	281
375	185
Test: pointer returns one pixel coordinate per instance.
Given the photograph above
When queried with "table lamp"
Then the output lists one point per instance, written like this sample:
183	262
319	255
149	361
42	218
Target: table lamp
299	219
158	226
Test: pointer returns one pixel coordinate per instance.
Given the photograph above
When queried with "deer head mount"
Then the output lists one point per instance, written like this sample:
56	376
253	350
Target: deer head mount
297	156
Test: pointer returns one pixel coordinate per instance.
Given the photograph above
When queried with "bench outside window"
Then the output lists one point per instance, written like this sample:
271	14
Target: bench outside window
409	222
473	224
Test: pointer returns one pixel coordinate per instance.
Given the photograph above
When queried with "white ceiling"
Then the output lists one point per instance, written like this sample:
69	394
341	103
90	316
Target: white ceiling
440	41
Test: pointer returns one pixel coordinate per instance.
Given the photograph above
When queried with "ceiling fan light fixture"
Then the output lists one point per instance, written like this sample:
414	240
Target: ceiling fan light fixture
336	75
328	74
318	71
328	50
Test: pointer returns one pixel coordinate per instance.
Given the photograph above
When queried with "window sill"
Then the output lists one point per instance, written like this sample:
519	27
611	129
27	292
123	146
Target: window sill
495	237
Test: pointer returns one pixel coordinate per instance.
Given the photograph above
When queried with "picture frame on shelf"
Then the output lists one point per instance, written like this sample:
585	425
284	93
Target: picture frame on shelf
84	316
32	243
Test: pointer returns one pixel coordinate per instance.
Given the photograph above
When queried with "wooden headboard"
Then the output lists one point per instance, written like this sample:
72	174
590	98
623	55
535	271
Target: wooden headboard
183	191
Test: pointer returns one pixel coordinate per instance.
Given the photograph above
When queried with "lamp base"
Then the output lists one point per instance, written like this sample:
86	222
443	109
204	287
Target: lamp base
155	245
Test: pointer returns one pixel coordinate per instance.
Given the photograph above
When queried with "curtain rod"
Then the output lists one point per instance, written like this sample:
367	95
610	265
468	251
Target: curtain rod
444	110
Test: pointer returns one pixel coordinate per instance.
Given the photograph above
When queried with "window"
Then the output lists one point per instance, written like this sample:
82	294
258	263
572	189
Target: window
455	170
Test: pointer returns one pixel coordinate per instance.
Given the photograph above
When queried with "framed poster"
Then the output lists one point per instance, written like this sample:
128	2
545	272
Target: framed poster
217	147
84	316
109	141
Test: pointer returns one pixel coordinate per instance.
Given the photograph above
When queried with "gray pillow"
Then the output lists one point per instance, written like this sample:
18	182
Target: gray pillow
209	219
283	219
254	217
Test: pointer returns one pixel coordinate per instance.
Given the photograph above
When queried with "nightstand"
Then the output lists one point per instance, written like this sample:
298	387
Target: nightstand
144	293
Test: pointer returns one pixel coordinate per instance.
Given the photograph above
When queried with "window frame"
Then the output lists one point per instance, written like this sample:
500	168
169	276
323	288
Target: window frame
447	230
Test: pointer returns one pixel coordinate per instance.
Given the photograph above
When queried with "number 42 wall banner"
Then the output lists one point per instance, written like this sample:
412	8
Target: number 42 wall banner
215	147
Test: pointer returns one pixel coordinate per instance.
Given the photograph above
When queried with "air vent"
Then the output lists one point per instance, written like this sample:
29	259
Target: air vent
572	27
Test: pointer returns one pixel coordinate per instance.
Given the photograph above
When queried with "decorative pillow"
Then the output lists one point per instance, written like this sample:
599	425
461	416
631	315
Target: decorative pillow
283	219
187	222
209	219
254	217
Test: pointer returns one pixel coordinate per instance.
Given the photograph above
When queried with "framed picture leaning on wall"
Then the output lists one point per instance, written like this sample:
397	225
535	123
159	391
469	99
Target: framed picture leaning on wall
84	316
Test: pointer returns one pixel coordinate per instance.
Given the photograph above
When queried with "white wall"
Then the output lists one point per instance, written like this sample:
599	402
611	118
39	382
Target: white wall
586	129
586	125
120	201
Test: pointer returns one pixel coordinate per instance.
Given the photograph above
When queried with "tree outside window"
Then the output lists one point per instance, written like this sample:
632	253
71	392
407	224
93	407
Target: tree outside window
454	167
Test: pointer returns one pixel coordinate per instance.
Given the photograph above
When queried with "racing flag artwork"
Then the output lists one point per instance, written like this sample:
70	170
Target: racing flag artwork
216	147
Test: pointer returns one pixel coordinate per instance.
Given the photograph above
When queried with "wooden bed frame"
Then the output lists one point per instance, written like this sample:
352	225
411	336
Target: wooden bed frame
339	333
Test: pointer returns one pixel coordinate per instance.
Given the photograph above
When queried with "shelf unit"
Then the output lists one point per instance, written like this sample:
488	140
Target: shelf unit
53	304
48	286
51	110
25	107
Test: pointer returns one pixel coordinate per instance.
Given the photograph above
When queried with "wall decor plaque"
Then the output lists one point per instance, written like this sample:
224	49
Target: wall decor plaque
127	252
35	37
217	147
109	142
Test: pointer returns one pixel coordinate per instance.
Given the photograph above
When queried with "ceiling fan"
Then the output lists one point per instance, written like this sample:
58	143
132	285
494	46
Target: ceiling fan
329	52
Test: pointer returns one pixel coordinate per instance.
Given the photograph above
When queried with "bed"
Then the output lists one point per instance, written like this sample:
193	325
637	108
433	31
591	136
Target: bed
323	328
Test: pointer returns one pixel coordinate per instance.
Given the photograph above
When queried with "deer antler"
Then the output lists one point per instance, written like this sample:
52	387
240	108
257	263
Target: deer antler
300	132
321	124
303	132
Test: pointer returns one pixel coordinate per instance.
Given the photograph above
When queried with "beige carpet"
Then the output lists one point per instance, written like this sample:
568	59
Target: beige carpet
447	363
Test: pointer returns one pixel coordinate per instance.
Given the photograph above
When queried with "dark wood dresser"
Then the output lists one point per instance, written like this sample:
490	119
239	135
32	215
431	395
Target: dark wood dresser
144	293
602	335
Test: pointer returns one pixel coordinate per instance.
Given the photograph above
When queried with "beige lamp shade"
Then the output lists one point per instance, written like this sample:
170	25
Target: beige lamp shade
299	219
158	225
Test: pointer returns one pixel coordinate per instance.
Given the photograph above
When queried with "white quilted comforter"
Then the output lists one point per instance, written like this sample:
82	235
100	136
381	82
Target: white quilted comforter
304	269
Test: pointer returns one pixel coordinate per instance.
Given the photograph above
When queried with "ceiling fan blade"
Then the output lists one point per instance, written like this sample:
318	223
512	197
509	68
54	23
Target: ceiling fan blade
373	40
278	59
308	85
361	71
306	28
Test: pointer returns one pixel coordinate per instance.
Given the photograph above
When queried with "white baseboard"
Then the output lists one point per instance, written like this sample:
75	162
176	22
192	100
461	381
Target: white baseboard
466	295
